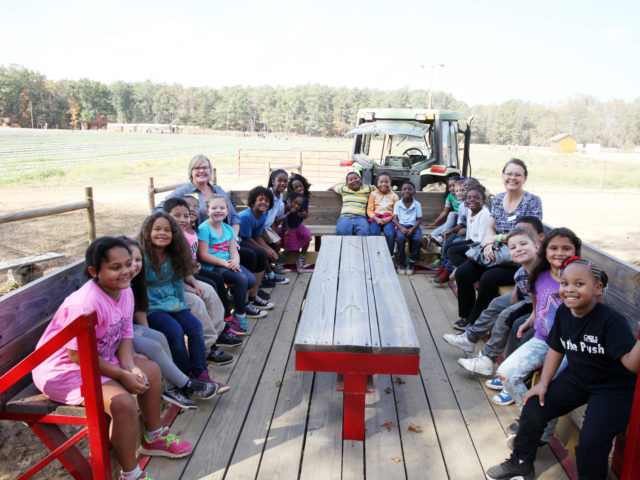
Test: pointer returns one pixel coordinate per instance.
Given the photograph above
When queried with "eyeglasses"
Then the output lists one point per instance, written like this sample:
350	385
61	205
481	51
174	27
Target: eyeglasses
201	168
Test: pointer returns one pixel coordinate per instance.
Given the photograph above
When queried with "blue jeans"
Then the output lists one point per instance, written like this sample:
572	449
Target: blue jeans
415	247
175	325
389	230
445	261
241	282
353	225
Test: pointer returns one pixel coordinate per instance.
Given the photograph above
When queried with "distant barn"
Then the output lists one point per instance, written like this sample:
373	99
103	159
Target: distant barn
563	143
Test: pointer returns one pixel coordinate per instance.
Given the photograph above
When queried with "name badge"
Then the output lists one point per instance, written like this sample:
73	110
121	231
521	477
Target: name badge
512	218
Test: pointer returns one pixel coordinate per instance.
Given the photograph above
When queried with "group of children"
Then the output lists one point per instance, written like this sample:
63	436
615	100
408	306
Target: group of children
368	210
171	283
587	350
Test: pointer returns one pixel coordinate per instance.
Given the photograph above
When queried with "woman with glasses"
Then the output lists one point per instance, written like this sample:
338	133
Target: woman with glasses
508	206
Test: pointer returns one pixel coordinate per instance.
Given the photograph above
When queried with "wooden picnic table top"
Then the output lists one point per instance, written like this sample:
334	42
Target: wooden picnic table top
278	423
354	302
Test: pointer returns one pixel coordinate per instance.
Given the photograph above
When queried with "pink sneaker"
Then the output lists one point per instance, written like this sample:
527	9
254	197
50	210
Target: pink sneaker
166	445
222	387
235	327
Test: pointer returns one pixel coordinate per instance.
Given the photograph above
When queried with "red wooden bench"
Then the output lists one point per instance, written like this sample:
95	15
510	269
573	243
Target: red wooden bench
43	416
355	321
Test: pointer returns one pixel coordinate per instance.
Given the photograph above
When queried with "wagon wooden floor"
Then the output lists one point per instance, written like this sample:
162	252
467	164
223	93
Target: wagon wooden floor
279	423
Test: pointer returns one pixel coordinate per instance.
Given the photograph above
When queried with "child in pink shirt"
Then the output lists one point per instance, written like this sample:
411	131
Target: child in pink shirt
122	374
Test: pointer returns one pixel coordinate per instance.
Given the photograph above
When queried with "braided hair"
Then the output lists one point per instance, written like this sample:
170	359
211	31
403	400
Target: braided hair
599	275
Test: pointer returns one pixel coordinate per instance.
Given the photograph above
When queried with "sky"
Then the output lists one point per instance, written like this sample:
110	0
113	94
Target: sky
492	51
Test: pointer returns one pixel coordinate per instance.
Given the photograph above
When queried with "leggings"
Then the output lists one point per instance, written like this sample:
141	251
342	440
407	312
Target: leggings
607	414
217	282
175	325
154	345
252	257
242	282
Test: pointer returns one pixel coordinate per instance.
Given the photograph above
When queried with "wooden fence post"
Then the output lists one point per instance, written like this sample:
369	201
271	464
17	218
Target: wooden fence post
88	192
152	196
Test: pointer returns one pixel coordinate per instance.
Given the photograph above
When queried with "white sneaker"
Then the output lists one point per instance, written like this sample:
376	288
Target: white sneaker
402	269
479	364
459	341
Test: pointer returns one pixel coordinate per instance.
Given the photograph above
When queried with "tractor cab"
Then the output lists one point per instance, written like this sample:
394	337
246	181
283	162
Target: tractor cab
419	145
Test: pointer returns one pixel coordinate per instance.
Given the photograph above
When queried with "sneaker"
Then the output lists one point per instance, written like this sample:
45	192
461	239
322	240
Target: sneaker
228	339
502	398
460	324
267	283
254	312
279	268
512	430
410	269
264	295
479	364
300	264
438	239
143	476
220	387
494	384
197	389
177	397
235	328
278	279
439	271
435	264
166	445
218	356
511	469
460	341
402	269
242	323
261	303
443	277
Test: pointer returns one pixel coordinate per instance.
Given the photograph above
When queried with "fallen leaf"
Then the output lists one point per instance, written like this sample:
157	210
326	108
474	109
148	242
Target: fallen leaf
389	426
415	428
397	459
400	381
278	383
387	390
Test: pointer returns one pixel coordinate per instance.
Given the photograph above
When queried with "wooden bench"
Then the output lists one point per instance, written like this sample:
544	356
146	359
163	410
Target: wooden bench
325	206
24	314
355	321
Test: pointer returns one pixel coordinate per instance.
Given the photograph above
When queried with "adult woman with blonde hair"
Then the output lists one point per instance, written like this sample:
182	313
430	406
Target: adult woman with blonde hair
200	187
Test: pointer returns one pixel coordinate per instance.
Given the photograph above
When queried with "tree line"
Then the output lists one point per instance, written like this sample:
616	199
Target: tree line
28	97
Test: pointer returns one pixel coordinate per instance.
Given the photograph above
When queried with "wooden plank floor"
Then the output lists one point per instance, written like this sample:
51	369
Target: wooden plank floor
277	423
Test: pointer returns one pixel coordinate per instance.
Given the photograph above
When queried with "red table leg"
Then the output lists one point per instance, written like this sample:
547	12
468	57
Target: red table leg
355	388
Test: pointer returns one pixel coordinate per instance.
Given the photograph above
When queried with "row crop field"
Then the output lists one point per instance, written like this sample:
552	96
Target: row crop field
27	154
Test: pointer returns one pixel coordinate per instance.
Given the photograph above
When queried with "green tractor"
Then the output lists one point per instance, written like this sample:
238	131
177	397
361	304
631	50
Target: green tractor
419	145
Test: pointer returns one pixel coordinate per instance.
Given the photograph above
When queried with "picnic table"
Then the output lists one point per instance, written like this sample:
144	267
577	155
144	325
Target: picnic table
355	321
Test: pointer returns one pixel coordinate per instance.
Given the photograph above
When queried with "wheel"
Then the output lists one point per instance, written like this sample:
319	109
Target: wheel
413	148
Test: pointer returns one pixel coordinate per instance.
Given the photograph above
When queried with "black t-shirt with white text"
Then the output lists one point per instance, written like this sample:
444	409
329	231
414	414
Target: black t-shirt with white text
593	345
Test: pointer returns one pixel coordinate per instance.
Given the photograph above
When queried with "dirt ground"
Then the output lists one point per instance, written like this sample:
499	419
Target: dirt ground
606	220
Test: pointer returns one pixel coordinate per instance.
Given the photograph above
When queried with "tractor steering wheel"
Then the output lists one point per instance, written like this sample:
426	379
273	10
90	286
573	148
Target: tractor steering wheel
412	148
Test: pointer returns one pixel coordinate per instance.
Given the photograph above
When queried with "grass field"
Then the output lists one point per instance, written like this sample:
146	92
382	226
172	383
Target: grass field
41	168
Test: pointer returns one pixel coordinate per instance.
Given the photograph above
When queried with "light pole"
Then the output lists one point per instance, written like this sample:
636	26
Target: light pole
431	67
